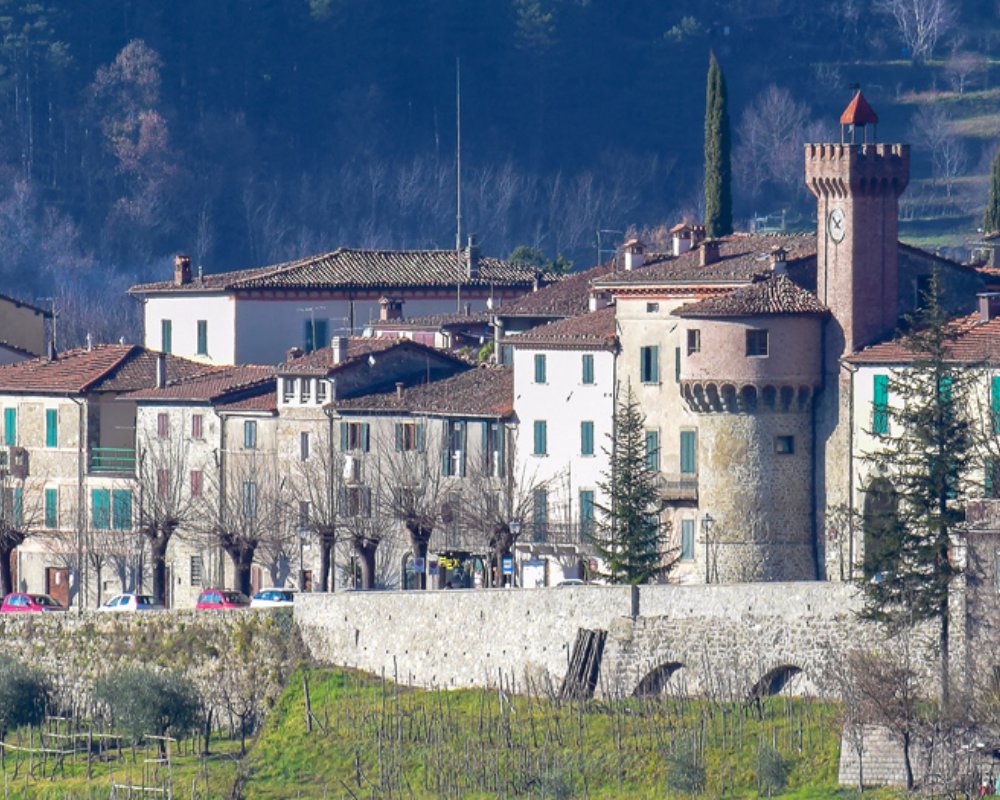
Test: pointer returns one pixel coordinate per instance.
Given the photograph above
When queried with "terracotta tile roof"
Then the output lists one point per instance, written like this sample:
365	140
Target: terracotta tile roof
267	401
565	298
477	392
320	362
104	368
976	343
777	294
211	384
742	256
348	268
858	112
594	329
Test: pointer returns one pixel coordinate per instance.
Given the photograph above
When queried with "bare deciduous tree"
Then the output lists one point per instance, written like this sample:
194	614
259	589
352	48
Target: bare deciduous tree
20	517
921	23
317	482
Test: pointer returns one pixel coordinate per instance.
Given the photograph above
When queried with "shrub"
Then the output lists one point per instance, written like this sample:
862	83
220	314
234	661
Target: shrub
684	773
24	695
144	703
772	770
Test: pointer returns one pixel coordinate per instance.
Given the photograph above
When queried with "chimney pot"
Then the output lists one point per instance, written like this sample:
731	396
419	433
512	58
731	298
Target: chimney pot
779	260
634	254
389	309
989	305
182	270
681	238
338	347
709	252
472	257
399	389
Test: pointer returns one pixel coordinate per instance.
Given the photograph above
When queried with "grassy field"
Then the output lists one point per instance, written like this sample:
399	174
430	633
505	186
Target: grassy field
373	739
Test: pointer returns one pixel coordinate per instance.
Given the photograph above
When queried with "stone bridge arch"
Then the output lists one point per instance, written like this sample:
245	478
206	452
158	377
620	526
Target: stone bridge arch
774	681
656	681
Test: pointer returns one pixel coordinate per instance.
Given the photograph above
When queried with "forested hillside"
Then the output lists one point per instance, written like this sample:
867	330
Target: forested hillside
245	132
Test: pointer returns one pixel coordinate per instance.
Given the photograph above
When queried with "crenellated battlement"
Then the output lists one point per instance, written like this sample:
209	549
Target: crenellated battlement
857	152
835	170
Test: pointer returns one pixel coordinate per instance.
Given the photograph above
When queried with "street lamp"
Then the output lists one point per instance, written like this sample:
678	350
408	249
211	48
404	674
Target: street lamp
707	523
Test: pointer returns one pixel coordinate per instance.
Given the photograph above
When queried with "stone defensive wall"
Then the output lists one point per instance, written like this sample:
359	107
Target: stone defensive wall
733	639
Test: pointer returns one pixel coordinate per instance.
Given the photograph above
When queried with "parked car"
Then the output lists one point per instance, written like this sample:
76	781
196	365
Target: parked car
129	601
22	602
273	598
214	599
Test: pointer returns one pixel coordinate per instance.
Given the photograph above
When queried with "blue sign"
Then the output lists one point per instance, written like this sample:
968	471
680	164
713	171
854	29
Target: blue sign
508	565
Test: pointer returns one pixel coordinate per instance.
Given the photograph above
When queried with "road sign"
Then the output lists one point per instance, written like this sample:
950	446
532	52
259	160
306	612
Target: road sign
508	565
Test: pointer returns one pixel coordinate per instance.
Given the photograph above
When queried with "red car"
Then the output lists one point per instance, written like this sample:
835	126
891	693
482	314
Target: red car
21	602
214	599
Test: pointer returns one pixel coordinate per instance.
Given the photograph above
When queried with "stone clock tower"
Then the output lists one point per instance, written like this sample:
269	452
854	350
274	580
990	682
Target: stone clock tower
857	187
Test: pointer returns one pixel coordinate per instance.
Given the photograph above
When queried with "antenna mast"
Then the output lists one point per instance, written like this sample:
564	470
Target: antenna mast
458	153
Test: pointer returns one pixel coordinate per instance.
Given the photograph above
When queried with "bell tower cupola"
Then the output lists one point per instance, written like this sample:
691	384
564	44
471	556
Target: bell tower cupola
857	185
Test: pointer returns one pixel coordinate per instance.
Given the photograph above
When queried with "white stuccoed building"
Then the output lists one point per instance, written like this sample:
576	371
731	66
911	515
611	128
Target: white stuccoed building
564	378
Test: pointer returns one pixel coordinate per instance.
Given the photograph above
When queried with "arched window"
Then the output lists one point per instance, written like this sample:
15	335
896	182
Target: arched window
880	527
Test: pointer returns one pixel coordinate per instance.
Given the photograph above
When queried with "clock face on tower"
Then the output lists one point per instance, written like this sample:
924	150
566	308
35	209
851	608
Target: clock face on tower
836	225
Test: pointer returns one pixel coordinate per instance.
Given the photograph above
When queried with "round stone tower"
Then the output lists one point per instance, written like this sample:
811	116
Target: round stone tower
752	386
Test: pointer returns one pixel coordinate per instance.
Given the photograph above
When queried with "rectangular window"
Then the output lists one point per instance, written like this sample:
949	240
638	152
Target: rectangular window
197	570
355	501
539	368
162	482
321	390
354	436
653	451
453	453
694	341
121	500
493	449
203	337
995	402
540	513
649	364
588	369
51	427
757	342
162	425
689	452
305	390
250	435
304	446
249	499
409	436
10	426
287	389
687	540
304	515
51	508
196	483
100	509
880	405
541	438
784	445
197	429
652	308
166	336
315	334
587	512
587	438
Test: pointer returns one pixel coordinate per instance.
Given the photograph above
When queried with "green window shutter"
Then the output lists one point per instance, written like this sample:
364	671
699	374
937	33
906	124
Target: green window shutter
946	391
655	372
880	405
541	435
122	509
166	336
484	452
100	509
653	451
588	369
539	368
345	437
51	427
677	364
587	438
446	448
420	437
586	512
51	508
399	436
689	444
10	426
687	539
18	506
203	337
365	437
995	403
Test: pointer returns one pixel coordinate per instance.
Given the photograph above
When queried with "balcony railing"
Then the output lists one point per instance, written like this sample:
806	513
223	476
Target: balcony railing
681	486
112	460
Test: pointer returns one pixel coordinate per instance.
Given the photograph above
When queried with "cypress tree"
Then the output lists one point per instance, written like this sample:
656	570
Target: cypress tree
718	169
991	220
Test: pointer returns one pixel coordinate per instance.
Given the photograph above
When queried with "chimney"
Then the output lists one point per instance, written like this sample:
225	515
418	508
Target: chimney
697	235
779	260
50	350
90	342
161	370
989	305
338	345
709	252
399	389
293	353
389	309
182	270
472	257
681	237
598	300
634	254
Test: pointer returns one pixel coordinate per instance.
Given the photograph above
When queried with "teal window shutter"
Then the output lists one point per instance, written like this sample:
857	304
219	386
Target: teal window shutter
166	336
122	509
51	427
345	437
946	392
51	508
587	438
365	437
588	368
399	436
677	364
539	368
420	437
541	436
203	337
100	509
687	539
446	449
10	426
880	405
587	512
689	443
653	451
995	403
485	448
18	506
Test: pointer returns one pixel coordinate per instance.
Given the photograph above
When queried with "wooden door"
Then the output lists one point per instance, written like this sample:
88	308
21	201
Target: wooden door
57	584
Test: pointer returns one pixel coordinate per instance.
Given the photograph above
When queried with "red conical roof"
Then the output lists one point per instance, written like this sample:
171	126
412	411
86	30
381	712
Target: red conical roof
858	112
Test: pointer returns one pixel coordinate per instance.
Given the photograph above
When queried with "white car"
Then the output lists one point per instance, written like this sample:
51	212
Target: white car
131	602
273	598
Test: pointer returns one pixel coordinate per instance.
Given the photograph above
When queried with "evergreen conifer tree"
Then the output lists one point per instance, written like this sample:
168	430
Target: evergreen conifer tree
991	220
929	447
718	166
629	535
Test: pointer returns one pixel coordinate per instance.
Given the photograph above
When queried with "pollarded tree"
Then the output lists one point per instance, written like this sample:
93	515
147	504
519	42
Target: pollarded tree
20	516
318	481
928	446
629	535
718	167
